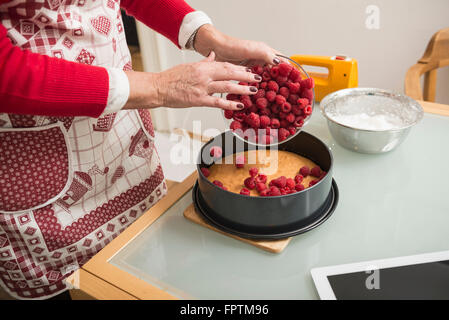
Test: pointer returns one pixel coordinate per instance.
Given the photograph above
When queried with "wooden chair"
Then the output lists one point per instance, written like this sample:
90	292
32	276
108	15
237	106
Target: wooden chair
436	56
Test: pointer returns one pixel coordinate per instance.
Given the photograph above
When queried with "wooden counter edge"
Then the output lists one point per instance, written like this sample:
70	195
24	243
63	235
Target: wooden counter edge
100	267
86	286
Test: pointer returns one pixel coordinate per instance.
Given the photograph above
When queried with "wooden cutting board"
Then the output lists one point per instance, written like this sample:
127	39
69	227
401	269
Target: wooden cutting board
274	246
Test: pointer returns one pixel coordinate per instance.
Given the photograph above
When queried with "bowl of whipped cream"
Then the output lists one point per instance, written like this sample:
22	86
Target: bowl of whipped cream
370	120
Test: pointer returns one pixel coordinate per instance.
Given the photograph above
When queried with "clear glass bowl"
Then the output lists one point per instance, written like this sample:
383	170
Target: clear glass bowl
304	75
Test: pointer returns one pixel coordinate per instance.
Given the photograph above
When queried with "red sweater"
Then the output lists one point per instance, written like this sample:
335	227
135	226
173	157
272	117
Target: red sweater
36	84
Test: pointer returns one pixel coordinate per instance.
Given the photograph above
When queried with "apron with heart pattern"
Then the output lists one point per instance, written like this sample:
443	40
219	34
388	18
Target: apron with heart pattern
69	185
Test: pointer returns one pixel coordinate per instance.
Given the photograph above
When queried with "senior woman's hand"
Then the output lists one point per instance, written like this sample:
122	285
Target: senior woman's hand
234	50
191	85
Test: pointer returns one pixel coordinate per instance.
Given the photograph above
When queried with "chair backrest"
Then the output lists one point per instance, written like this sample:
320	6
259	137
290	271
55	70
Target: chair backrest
436	56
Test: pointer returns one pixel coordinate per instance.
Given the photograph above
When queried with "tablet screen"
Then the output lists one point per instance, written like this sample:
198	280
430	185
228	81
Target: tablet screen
420	281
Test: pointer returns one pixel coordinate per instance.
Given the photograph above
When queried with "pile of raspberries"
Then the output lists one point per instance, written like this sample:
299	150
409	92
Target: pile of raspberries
281	105
276	187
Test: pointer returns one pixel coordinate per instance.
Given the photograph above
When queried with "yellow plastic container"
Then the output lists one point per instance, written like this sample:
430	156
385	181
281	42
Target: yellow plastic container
342	73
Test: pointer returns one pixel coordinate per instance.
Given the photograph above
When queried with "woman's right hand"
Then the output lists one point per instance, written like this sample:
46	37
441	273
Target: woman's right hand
191	85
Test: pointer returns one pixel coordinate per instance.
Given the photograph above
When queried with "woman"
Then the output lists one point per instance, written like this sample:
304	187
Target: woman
77	158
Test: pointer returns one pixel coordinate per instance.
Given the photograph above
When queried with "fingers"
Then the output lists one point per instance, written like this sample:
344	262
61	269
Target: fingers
230	87
217	102
229	71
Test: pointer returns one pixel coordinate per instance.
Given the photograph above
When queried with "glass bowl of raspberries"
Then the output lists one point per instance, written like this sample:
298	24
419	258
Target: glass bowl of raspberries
278	111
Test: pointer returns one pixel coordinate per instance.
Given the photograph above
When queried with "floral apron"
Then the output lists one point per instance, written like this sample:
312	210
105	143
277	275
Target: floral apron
69	185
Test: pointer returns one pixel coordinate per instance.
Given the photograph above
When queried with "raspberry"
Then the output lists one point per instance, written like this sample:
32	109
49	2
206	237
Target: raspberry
281	80
308	110
235	125
284	123
224	188
283	91
302	102
286	107
291	130
299	178
323	174
245	192
246	100
218	183
285	69
260	187
313	182
240	161
296	110
272	85
304	171
205	172
299	187
308	94
243	83
239	116
316	172
285	191
299	122
280	182
274	72
228	114
216	152
275	108
250	183
275	123
253	120
264	121
290	117
270	95
232	97
280	100
266	76
261	103
293	98
307	83
261	178
254	84
265	112
291	183
283	134
274	191
295	75
257	69
264	193
293	87
259	94
263	85
253	108
253	171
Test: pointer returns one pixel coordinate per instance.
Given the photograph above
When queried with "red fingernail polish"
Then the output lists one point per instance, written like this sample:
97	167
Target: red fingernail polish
253	89
240	106
257	77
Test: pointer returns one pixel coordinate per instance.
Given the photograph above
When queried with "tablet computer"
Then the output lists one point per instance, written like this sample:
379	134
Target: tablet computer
424	276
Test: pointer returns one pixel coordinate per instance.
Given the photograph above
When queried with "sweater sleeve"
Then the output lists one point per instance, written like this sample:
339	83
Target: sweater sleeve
163	16
36	84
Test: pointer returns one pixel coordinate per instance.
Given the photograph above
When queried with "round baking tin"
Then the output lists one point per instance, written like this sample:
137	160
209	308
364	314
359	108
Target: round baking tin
314	220
266	214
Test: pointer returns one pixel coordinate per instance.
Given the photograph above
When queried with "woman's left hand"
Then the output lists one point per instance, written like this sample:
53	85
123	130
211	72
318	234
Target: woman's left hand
234	50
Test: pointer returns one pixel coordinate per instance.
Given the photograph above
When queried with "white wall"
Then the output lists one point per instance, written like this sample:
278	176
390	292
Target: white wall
325	27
